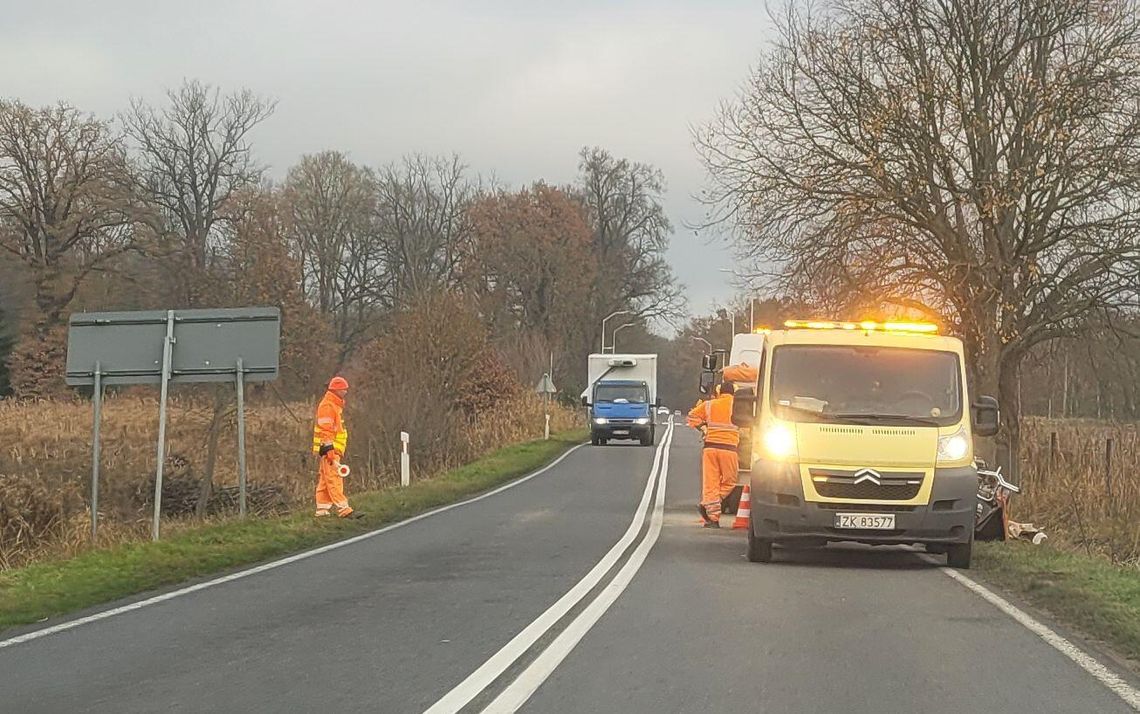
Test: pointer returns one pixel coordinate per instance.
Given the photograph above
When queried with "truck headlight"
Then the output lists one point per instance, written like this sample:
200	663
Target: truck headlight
642	420
601	420
780	442
954	447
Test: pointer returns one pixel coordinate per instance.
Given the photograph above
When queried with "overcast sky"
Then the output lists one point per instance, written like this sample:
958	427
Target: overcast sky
515	87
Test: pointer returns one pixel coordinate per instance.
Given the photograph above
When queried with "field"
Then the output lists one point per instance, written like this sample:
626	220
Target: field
45	465
1081	482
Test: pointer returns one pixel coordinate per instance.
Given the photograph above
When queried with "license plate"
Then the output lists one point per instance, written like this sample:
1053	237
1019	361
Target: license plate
621	432
865	521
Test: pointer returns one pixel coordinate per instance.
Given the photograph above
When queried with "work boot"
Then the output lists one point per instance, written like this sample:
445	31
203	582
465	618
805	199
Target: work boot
709	521
323	513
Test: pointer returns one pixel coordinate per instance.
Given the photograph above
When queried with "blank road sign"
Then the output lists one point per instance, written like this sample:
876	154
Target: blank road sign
207	345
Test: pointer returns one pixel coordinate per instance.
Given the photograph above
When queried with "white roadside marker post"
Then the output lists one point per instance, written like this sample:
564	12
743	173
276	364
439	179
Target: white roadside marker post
405	462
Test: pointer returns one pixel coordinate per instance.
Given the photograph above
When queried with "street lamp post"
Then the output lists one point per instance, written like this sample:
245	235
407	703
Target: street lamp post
707	344
613	338
606	319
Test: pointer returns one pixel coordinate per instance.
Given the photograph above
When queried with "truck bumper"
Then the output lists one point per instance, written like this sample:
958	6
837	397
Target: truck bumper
621	431
780	512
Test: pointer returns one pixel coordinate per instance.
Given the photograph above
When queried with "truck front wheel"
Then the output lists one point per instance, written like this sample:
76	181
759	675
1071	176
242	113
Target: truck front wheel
958	554
759	549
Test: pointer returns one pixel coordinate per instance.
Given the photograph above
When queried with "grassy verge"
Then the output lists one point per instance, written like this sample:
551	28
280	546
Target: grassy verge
1089	593
43	590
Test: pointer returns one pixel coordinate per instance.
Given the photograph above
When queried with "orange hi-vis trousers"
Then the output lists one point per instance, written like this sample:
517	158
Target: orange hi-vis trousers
718	477
330	490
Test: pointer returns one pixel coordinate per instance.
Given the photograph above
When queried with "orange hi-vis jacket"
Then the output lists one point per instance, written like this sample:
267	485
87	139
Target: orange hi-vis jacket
329	428
716	416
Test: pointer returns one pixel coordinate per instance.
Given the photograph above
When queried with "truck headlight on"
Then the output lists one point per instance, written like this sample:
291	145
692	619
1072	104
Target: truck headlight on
780	442
601	420
642	420
954	447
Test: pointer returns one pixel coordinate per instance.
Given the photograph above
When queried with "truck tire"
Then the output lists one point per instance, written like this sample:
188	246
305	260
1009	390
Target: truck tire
647	438
958	554
595	440
759	549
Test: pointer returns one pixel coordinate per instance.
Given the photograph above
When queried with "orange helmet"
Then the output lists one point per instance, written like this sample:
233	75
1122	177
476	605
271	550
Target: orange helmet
338	383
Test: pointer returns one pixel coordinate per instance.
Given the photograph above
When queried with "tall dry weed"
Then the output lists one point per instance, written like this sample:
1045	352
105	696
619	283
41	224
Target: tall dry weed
45	462
1081	489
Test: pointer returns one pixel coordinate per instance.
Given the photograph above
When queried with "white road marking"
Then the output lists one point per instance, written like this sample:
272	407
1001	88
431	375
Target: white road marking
527	683
72	624
462	694
1107	677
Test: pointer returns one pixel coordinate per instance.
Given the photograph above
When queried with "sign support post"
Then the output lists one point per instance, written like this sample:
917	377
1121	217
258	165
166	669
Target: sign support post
241	437
167	349
96	450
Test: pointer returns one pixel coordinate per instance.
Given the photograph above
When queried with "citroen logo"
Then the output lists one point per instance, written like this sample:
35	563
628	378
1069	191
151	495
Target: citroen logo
868	475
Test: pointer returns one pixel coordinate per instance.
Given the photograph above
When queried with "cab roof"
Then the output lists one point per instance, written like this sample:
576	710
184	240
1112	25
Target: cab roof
868	338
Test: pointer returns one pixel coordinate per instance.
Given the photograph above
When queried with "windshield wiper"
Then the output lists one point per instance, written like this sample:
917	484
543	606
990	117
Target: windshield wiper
907	418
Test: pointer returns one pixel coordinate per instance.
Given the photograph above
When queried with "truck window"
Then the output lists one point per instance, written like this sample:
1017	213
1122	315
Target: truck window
845	383
634	394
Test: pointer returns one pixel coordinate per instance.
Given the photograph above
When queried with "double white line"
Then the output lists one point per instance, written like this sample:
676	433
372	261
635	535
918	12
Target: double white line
519	691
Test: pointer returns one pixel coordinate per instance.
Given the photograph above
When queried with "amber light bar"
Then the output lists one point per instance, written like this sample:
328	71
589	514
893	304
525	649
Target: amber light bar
866	325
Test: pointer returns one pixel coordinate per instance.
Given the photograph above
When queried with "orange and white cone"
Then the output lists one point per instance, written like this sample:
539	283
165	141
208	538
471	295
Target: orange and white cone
744	510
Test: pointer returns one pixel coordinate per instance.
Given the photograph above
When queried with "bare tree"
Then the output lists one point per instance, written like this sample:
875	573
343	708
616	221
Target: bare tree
422	223
194	155
976	161
332	205
631	235
66	209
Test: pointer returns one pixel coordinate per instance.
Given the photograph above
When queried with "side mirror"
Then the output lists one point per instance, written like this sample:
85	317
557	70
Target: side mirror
708	379
744	408
986	416
585	401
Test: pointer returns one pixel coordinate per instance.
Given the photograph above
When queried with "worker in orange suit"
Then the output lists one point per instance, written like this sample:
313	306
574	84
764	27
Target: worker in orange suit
719	459
330	438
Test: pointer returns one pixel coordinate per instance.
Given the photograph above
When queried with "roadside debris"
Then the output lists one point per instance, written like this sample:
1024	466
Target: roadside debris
992	521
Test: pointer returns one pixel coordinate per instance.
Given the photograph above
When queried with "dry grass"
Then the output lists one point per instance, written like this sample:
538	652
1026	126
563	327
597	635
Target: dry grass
45	464
1080	496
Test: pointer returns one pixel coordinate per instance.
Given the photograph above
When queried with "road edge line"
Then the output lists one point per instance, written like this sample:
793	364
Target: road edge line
156	599
1088	663
494	666
518	692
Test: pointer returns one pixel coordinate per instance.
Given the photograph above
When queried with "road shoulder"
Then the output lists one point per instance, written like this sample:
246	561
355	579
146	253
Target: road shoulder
1085	593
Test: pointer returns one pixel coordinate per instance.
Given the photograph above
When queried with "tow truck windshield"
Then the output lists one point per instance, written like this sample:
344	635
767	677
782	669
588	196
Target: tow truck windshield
866	385
628	393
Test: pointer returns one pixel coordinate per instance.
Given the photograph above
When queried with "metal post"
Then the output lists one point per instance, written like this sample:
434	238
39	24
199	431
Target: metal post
95	451
405	461
241	437
751	315
167	351
547	432
1108	471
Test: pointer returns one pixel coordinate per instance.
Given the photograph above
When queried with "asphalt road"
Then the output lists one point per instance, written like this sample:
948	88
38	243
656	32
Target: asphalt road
502	604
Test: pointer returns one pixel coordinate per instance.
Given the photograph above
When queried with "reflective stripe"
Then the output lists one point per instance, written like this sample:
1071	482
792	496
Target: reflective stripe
339	442
717	425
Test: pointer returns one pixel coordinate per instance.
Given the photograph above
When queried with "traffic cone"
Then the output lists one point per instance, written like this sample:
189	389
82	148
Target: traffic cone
744	510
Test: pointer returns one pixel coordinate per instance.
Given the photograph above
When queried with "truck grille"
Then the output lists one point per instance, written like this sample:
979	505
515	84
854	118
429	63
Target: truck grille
871	486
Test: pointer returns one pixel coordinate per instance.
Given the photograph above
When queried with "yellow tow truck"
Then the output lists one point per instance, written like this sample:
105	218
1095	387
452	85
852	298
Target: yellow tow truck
863	432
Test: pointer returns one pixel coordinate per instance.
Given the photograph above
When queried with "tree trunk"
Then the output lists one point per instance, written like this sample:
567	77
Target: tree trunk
206	487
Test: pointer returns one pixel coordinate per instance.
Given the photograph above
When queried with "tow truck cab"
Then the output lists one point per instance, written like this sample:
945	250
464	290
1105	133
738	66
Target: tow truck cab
864	432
